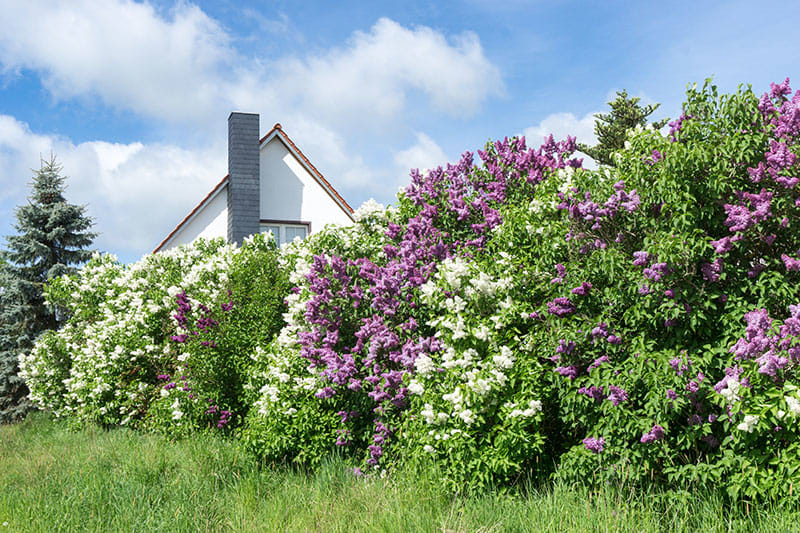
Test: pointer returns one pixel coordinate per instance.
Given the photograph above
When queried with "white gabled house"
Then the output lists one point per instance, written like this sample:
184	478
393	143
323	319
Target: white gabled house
271	186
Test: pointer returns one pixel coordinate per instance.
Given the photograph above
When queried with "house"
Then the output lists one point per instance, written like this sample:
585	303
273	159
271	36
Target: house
271	186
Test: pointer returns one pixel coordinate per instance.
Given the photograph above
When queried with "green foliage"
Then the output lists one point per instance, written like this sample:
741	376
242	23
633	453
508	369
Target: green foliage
52	236
612	128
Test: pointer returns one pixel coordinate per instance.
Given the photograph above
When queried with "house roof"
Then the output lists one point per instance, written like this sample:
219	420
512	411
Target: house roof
277	130
218	187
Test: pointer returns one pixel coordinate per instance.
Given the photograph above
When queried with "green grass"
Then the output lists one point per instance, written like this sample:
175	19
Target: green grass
55	479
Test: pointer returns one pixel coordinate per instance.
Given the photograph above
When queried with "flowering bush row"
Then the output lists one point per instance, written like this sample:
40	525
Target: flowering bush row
143	347
632	324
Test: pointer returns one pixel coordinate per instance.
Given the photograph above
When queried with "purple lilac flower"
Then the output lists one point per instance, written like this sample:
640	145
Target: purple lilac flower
656	433
597	362
711	271
675	127
791	264
641	258
723	245
601	330
561	307
583	289
694	420
561	274
565	347
617	395
596	393
655	271
593	444
570	372
671	395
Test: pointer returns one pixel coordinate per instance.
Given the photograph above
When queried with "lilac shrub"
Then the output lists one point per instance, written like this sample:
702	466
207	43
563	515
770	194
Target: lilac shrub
116	341
356	319
702	258
161	343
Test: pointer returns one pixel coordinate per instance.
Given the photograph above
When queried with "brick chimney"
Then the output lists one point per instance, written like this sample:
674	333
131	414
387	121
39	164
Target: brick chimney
244	189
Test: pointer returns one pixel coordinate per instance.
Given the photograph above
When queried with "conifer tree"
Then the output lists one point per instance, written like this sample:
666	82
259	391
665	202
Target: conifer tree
611	129
52	236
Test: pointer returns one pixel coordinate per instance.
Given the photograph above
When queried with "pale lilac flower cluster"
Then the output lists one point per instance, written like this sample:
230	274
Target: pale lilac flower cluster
656	433
594	214
617	395
593	444
561	307
596	393
765	345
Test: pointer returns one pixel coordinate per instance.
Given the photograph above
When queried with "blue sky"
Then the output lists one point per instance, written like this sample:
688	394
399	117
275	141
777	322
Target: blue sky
133	97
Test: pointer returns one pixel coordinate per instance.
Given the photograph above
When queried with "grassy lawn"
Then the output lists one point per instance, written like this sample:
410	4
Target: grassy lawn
55	479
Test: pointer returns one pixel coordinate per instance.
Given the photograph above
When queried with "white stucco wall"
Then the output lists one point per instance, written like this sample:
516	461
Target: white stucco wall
290	193
209	221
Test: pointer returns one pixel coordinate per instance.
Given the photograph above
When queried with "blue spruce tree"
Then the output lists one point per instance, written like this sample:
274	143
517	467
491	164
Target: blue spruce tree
52	237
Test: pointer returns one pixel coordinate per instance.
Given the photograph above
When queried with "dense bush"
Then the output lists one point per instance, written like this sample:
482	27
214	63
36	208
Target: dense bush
633	324
164	343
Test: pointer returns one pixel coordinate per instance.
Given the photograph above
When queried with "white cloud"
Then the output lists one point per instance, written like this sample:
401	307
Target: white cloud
373	75
328	151
561	125
424	154
121	51
184	68
135	192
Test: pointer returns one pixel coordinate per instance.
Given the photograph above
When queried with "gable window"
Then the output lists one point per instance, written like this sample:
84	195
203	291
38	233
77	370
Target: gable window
285	231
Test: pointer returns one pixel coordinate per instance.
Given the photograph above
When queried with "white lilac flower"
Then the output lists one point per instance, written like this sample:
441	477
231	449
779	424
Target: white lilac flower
427	414
415	387
455	304
428	290
506	304
424	365
176	410
467	416
459	329
481	386
484	284
505	359
730	393
367	209
794	405
454	397
429	449
749	423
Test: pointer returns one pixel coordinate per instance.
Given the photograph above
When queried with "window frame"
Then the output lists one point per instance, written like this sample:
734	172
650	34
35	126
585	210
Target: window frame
282	225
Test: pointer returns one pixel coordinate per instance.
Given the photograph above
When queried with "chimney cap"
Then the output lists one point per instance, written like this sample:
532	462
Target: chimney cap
241	113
